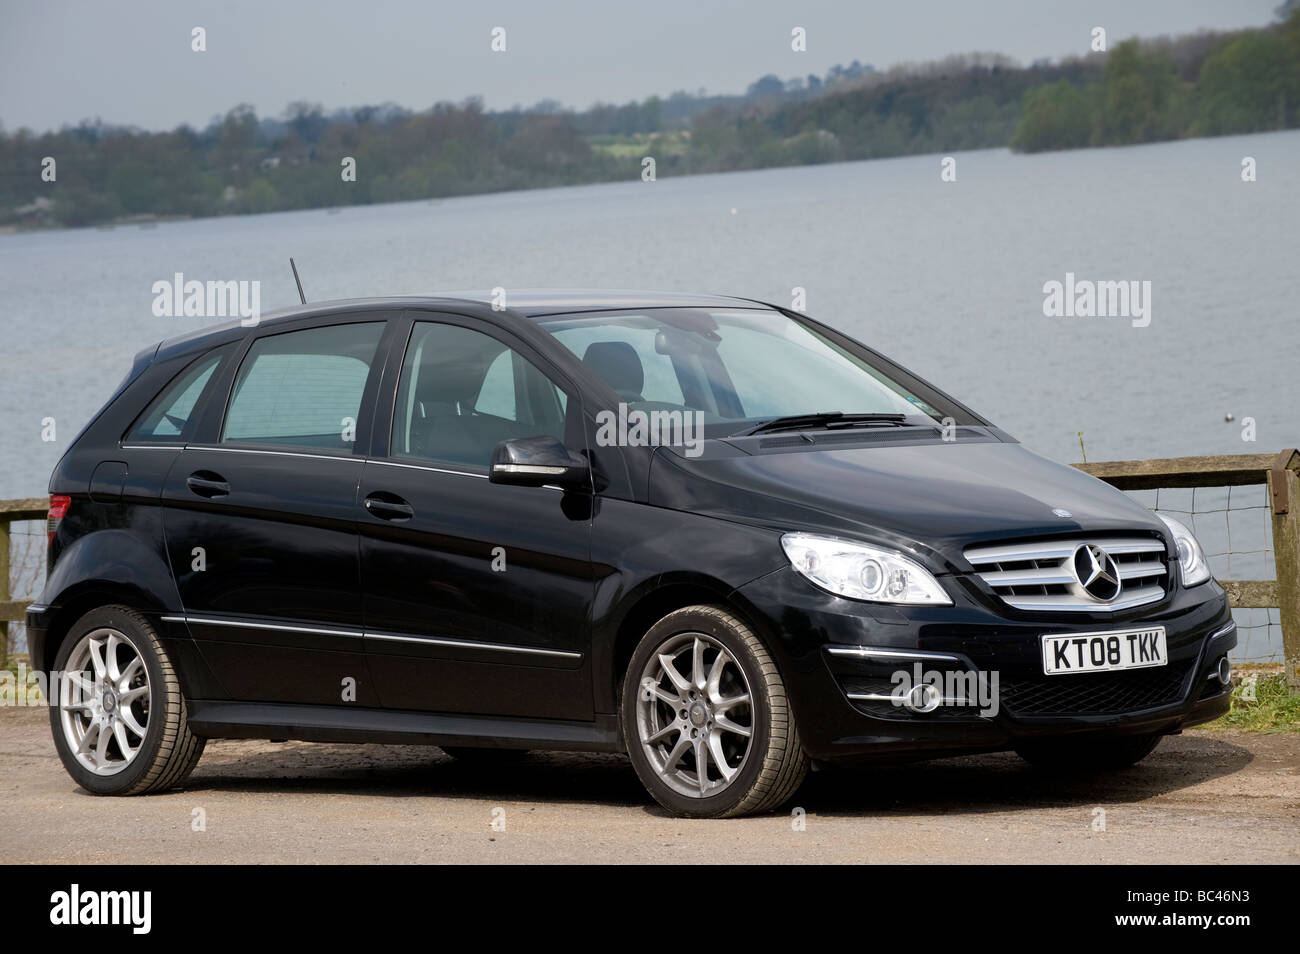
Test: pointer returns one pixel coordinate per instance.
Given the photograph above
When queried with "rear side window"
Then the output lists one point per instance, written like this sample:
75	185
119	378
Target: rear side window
303	389
174	413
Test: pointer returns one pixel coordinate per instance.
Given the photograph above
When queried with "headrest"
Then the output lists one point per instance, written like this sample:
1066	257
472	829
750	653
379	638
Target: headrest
618	364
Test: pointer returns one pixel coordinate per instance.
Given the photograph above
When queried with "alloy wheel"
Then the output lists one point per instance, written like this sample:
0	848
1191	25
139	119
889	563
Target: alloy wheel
695	718
104	701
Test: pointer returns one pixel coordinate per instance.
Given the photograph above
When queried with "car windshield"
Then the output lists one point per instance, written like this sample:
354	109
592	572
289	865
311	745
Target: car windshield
735	367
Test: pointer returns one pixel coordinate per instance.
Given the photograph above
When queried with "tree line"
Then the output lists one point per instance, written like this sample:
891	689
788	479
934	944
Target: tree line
1244	82
1140	91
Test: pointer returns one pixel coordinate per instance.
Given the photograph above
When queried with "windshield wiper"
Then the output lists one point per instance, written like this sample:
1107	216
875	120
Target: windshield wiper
826	419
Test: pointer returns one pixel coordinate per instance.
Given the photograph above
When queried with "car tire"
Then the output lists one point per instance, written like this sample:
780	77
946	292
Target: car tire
116	684
672	721
1088	755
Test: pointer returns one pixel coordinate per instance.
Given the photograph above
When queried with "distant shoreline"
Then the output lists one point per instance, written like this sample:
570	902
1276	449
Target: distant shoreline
1135	92
147	221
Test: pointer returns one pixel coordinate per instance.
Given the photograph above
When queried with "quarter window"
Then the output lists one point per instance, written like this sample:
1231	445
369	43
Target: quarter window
303	389
173	413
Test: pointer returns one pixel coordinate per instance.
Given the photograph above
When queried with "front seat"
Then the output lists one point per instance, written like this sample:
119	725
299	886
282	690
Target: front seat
619	366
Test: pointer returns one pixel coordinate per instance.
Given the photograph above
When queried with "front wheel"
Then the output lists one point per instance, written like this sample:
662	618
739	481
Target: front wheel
706	718
120	721
1088	755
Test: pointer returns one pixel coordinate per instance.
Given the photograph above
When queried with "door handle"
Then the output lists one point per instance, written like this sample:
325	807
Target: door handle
207	484
388	506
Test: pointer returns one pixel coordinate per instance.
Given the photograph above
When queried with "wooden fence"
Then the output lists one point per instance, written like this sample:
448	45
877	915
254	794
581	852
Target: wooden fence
1281	472
11	610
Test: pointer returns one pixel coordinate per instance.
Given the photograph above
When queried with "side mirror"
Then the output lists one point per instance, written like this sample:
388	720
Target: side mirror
536	461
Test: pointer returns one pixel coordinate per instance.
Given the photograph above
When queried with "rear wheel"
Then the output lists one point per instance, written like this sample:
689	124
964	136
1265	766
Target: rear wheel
707	723
1088	755
120	721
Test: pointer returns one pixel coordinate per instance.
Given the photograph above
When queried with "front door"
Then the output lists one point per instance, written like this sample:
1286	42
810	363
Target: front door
477	595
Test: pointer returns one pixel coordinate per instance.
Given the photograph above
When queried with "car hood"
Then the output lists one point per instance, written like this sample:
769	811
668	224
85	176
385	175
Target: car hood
932	497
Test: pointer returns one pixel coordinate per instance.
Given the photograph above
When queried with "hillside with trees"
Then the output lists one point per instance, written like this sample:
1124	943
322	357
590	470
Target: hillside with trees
1206	84
1209	85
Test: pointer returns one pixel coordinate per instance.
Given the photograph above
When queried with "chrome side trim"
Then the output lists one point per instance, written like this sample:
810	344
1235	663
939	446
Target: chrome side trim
249	624
37	607
286	453
869	651
388	637
471	644
443	470
436	470
273	453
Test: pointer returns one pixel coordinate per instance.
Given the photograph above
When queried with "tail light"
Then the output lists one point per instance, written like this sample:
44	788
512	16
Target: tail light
58	507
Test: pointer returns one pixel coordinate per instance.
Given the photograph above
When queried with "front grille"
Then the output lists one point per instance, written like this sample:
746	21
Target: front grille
1039	576
1102	693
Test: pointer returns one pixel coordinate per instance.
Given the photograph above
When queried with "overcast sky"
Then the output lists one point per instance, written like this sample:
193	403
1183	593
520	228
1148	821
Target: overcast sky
130	62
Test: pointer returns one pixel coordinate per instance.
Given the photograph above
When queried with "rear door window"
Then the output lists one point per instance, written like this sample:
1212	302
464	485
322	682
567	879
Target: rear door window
303	389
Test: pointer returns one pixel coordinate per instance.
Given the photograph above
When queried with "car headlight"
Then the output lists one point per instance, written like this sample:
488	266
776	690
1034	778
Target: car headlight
1191	558
861	572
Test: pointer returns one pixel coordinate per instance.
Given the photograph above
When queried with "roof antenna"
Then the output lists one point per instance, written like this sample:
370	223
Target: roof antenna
298	280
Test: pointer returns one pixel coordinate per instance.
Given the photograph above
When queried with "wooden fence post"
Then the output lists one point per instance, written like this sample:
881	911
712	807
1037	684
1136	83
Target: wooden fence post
11	610
4	591
1284	495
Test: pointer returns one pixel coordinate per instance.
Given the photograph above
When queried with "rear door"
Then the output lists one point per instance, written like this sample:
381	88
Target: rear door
477	595
261	517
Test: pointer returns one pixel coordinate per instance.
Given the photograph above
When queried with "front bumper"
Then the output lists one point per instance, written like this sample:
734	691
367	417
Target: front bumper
840	656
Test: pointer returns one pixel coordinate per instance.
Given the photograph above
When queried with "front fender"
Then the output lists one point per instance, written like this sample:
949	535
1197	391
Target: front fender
639	551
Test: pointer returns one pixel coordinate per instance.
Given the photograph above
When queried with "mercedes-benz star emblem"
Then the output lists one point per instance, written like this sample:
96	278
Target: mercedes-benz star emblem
1096	572
1062	512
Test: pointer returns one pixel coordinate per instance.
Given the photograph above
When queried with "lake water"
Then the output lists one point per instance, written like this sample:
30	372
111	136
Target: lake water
945	277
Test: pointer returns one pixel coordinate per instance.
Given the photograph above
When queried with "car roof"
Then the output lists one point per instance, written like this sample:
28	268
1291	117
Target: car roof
530	303
536	302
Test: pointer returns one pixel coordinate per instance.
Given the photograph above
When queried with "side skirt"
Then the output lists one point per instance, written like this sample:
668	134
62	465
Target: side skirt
216	719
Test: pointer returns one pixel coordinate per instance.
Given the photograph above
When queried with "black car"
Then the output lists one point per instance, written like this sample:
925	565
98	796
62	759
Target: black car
710	532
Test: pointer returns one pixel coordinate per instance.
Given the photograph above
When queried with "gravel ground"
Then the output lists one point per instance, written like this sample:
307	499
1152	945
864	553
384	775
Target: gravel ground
1202	797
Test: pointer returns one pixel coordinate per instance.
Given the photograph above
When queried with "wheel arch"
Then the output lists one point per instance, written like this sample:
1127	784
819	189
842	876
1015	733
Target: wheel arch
643	608
100	569
80	599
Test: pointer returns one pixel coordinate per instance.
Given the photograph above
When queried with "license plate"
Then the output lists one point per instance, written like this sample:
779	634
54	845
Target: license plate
1104	652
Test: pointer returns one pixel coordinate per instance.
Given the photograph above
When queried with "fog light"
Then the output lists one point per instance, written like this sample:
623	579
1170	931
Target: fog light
1224	672
923	698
